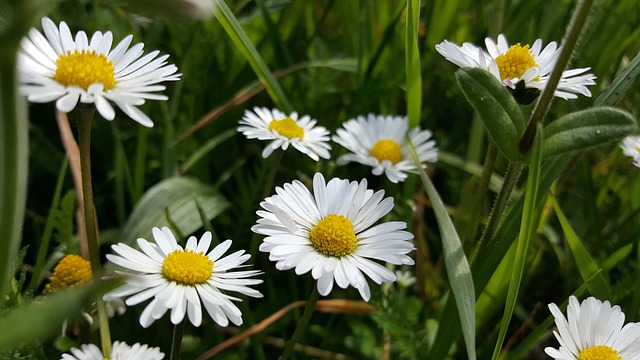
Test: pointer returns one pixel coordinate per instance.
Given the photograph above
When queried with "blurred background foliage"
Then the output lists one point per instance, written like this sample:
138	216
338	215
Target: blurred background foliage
335	60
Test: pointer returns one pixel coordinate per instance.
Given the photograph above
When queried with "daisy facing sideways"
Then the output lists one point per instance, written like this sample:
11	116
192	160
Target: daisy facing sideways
594	330
631	147
284	130
331	233
55	66
119	351
520	67
183	279
380	142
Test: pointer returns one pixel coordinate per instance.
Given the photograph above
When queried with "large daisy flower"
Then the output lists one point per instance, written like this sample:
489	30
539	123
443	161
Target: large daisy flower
520	67
119	351
380	142
330	233
58	67
631	147
284	130
594	330
183	279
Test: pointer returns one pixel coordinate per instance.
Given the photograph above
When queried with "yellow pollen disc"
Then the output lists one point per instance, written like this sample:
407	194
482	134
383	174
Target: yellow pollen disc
187	267
600	352
386	149
83	68
515	62
333	236
70	272
287	127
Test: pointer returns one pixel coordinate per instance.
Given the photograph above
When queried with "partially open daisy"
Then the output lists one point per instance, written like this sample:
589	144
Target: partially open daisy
182	279
119	351
594	330
631	147
520	67
58	67
380	142
284	130
330	233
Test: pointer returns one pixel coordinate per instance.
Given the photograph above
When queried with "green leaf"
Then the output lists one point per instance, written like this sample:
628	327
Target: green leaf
414	85
42	318
588	128
528	224
498	110
179	195
455	261
586	265
620	84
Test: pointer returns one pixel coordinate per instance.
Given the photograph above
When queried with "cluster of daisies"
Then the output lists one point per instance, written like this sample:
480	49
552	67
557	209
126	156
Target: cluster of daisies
333	231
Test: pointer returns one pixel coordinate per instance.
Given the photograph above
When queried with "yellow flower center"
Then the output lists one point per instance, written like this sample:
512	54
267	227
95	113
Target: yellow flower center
386	149
600	352
515	62
187	267
333	236
83	68
70	272
287	127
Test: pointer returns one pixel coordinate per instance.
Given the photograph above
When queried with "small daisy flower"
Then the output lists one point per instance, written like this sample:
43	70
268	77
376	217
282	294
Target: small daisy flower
330	233
119	351
284	130
520	67
380	142
58	67
72	271
631	147
593	330
183	279
405	278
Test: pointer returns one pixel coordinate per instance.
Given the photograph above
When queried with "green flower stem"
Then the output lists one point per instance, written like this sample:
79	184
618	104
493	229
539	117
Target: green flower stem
14	157
176	341
483	186
84	117
510	180
302	324
544	101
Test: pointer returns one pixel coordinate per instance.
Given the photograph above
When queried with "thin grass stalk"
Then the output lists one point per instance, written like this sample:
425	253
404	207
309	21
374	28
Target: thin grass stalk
176	340
482	188
412	58
302	324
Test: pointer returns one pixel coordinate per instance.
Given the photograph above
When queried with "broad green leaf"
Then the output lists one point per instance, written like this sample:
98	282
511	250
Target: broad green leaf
43	317
498	110
586	265
455	261
528	225
179	196
585	129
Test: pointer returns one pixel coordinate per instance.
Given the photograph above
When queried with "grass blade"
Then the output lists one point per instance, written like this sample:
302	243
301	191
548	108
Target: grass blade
414	86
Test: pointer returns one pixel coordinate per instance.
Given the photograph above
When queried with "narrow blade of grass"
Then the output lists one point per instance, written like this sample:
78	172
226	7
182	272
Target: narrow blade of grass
414	86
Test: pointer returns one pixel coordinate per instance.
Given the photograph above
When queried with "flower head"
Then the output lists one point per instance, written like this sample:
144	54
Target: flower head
58	67
523	69
182	279
405	278
380	142
284	130
593	330
71	271
119	351
631	147
331	233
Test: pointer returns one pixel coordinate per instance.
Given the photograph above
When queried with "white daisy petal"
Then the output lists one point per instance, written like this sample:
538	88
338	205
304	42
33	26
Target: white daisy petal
48	71
327	240
119	351
593	329
631	147
181	280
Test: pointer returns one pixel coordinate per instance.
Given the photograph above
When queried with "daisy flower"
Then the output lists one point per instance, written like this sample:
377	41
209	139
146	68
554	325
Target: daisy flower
405	278
284	130
593	330
55	66
183	279
72	271
631	147
330	233
119	351
520	67
380	142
